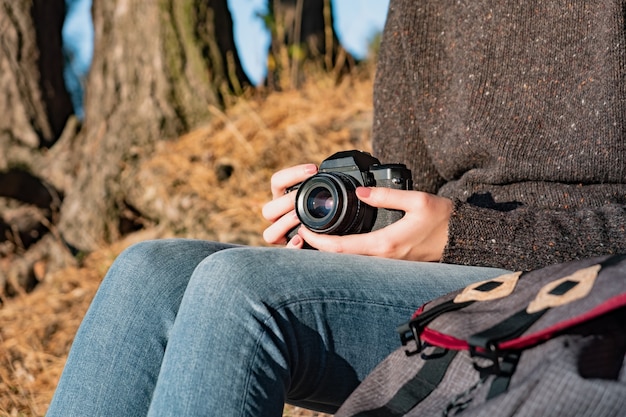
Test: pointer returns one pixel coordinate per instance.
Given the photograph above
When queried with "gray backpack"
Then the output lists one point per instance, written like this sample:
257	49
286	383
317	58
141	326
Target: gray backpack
549	342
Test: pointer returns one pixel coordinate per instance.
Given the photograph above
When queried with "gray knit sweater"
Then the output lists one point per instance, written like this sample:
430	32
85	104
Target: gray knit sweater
516	110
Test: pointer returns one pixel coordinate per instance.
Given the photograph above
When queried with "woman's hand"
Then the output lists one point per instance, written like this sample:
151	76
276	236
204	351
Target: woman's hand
421	235
280	211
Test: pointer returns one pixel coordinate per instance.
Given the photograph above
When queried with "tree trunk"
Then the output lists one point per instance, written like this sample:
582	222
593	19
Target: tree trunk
303	33
35	104
35	107
158	66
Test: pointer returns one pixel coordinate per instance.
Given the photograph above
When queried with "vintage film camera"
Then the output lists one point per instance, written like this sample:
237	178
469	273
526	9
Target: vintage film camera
327	202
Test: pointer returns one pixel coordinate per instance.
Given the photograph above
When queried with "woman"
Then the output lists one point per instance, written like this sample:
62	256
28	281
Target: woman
511	117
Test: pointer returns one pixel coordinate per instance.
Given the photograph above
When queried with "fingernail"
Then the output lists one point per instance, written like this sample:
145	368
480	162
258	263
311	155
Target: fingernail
296	240
364	192
310	169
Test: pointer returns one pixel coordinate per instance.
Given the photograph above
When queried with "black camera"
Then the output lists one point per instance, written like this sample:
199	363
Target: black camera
327	202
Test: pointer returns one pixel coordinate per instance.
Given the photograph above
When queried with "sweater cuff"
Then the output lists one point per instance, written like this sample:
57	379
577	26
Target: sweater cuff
481	237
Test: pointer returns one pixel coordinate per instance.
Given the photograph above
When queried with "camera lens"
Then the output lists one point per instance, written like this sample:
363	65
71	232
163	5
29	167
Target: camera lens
327	203
320	203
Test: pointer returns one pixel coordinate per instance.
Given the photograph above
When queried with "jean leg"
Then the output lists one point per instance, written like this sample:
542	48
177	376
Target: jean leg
258	327
116	355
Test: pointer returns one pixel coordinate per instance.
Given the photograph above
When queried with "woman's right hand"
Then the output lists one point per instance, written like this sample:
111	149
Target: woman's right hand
280	211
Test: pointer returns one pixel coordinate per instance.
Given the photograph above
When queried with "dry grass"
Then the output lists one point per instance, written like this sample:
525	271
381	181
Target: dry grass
181	190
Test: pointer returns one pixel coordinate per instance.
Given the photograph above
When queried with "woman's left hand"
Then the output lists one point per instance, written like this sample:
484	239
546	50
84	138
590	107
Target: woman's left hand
421	235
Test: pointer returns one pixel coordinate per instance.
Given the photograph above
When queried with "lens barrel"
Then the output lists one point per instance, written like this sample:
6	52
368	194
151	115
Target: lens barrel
327	203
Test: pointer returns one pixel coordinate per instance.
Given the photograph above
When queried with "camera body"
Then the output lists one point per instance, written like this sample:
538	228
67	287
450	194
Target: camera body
327	202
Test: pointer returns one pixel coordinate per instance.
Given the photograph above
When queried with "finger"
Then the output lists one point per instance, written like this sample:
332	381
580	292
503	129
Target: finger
295	243
362	244
288	177
278	207
390	198
275	233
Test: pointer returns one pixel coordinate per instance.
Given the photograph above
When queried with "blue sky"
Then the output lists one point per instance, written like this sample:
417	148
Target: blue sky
356	22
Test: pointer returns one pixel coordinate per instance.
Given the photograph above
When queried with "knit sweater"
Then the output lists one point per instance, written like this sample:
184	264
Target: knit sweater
517	112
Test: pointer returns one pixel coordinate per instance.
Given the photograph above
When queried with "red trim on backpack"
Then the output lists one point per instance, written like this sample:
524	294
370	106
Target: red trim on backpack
443	340
447	341
418	311
547	333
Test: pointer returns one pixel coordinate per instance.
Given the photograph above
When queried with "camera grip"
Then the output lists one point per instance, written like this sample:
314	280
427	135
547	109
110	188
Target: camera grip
384	217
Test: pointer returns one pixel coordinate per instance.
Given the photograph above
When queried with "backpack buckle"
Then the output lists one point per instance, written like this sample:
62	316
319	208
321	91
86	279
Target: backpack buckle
411	331
503	362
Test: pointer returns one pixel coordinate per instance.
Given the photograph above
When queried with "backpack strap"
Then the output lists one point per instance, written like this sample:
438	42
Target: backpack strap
419	387
413	328
556	293
491	289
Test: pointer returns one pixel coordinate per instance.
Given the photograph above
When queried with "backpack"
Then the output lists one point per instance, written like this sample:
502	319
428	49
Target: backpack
549	342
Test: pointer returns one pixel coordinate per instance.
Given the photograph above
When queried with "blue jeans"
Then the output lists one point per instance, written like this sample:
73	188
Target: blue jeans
196	328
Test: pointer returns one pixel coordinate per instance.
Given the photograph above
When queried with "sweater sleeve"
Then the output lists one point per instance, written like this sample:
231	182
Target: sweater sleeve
525	238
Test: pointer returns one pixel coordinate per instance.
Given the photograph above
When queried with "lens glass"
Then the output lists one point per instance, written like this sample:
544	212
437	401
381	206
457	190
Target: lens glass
327	203
320	203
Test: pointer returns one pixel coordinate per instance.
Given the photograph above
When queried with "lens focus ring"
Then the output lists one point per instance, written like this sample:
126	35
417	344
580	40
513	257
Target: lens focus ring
327	203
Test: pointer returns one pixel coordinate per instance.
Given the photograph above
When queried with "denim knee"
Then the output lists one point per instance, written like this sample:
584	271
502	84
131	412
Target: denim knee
145	263
138	267
248	274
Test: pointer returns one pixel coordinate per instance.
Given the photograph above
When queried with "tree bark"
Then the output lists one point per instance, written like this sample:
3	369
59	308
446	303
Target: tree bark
158	66
35	104
35	108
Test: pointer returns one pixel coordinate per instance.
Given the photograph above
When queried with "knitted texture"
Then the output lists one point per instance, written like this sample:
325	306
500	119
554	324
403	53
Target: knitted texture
517	112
